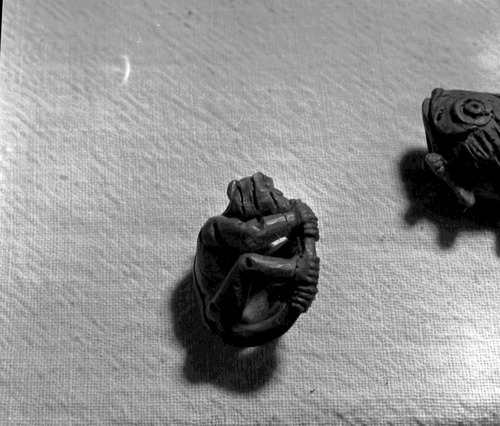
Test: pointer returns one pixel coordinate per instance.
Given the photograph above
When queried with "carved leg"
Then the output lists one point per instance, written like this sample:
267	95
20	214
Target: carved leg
438	166
227	305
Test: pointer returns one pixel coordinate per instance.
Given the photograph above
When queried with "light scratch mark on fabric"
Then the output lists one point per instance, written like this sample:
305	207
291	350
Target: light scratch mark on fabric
126	75
237	124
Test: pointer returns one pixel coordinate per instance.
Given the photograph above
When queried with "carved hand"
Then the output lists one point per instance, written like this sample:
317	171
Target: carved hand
436	163
307	218
311	230
306	277
307	269
303	212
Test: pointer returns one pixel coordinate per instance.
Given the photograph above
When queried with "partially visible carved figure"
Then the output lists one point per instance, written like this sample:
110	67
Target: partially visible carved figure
256	269
463	136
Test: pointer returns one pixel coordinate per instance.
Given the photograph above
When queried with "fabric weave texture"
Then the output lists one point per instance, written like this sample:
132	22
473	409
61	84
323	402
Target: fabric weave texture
122	124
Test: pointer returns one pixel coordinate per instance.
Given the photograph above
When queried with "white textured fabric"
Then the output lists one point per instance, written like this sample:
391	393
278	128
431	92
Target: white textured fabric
122	124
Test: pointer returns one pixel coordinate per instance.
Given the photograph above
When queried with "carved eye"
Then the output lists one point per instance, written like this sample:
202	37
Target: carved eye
474	108
476	111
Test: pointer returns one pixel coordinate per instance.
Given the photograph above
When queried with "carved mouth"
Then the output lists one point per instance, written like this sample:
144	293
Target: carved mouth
428	132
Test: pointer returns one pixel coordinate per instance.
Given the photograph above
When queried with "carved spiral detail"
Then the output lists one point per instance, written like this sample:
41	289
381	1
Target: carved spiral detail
472	111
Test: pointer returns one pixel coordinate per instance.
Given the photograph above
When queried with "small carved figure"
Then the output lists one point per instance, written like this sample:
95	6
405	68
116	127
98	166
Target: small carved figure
463	137
256	268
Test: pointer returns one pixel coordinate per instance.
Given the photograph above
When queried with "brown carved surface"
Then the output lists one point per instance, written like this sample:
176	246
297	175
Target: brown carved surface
463	138
256	268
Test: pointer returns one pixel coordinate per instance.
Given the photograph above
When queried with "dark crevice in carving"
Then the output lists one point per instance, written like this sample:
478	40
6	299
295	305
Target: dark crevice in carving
273	197
217	235
254	194
497	129
242	200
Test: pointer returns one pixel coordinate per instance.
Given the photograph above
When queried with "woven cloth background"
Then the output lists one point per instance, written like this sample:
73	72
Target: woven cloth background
122	124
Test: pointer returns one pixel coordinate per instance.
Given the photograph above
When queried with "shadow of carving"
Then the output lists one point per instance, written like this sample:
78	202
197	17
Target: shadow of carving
431	200
208	358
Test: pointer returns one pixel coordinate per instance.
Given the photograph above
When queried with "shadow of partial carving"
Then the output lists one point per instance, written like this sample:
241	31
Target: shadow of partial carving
431	200
208	358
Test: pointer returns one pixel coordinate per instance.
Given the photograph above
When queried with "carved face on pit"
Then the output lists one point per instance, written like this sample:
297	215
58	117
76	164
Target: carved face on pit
450	116
255	196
